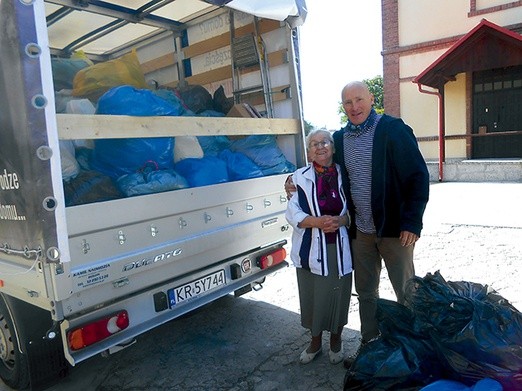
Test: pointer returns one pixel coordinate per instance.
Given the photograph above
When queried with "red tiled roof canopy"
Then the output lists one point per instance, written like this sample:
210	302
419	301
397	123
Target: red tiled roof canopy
486	46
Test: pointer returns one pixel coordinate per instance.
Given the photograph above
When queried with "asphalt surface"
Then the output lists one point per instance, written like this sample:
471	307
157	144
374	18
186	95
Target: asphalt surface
473	232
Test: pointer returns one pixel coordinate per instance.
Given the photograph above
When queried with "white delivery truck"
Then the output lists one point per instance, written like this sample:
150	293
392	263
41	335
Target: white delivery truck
85	270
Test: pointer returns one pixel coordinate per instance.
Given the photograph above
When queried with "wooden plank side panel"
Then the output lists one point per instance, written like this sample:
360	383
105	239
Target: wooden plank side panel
208	45
158	63
80	126
264	26
274	59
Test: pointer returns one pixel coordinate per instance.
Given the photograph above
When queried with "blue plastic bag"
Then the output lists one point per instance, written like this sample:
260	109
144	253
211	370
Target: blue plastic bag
128	100
208	170
151	182
239	166
64	70
451	385
264	152
174	100
213	145
117	157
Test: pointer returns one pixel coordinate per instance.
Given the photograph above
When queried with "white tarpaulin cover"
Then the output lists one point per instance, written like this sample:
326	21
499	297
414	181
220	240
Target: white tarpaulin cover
271	9
97	27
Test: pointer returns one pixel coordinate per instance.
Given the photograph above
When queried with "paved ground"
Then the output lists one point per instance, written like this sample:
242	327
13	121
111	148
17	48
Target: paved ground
473	232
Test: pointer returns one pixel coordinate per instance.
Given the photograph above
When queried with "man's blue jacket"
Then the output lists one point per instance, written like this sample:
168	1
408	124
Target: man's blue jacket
400	179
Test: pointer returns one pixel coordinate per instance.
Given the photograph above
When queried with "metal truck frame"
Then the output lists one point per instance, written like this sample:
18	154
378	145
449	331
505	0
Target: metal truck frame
118	268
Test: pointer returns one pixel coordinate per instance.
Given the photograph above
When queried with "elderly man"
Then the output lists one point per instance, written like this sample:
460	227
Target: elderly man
387	180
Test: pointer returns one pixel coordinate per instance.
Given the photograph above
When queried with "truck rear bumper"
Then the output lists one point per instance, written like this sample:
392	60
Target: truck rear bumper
152	307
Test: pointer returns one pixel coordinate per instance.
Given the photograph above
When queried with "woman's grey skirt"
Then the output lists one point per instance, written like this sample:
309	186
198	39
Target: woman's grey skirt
324	301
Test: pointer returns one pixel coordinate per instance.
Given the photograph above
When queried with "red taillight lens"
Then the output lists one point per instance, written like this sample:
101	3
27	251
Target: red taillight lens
98	330
272	259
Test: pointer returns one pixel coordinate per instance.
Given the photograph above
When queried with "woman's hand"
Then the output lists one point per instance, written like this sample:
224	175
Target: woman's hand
325	223
329	223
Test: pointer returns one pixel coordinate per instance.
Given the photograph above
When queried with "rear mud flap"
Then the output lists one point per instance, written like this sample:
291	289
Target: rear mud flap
47	364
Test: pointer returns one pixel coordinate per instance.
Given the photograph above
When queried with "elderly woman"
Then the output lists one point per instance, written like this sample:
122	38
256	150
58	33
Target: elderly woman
320	247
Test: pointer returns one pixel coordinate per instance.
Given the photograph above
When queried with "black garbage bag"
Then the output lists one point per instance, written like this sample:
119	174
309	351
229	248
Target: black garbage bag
90	186
459	331
475	331
380	365
400	359
221	102
430	298
196	98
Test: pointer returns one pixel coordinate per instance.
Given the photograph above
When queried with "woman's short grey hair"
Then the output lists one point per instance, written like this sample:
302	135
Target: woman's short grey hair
313	133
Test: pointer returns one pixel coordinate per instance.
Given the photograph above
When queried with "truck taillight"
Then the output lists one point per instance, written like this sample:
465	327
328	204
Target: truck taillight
273	258
98	330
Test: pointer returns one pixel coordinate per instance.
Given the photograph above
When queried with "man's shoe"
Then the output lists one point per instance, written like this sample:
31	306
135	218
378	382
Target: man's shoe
306	357
336	357
348	361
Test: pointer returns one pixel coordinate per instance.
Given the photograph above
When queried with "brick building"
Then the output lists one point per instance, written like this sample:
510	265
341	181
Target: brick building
453	71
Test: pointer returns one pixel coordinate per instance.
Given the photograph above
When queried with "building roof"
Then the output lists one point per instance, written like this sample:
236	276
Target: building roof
487	46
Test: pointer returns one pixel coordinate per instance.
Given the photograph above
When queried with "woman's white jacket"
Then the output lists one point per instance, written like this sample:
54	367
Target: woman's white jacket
309	244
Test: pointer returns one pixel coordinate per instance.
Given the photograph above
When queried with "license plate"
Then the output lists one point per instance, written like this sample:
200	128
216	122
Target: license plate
196	287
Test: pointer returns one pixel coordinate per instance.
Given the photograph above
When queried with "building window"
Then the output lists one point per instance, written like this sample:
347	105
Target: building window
477	7
498	79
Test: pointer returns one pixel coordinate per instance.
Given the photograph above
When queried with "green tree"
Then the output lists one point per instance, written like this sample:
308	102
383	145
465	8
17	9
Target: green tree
308	126
376	87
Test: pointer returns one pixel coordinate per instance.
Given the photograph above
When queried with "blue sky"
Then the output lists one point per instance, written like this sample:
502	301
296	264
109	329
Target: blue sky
341	41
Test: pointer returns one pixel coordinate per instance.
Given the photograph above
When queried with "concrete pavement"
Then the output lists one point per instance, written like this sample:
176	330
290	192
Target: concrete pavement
472	232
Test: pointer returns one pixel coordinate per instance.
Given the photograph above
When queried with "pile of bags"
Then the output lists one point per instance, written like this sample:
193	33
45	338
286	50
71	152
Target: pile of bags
447	336
113	168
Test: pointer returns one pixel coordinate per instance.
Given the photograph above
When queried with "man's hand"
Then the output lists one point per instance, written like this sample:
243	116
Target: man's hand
289	187
408	238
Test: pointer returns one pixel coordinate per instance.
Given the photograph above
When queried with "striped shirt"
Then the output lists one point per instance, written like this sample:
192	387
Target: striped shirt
357	147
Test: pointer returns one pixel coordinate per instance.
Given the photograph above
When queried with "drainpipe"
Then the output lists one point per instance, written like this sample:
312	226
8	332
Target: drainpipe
441	128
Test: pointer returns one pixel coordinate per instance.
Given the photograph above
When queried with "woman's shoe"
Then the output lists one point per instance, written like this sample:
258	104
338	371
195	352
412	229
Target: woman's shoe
336	357
306	357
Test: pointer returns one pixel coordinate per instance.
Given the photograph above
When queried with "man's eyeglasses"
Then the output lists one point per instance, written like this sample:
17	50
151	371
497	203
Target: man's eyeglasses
325	144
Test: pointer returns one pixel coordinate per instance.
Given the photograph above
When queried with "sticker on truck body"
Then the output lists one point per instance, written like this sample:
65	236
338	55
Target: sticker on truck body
92	276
